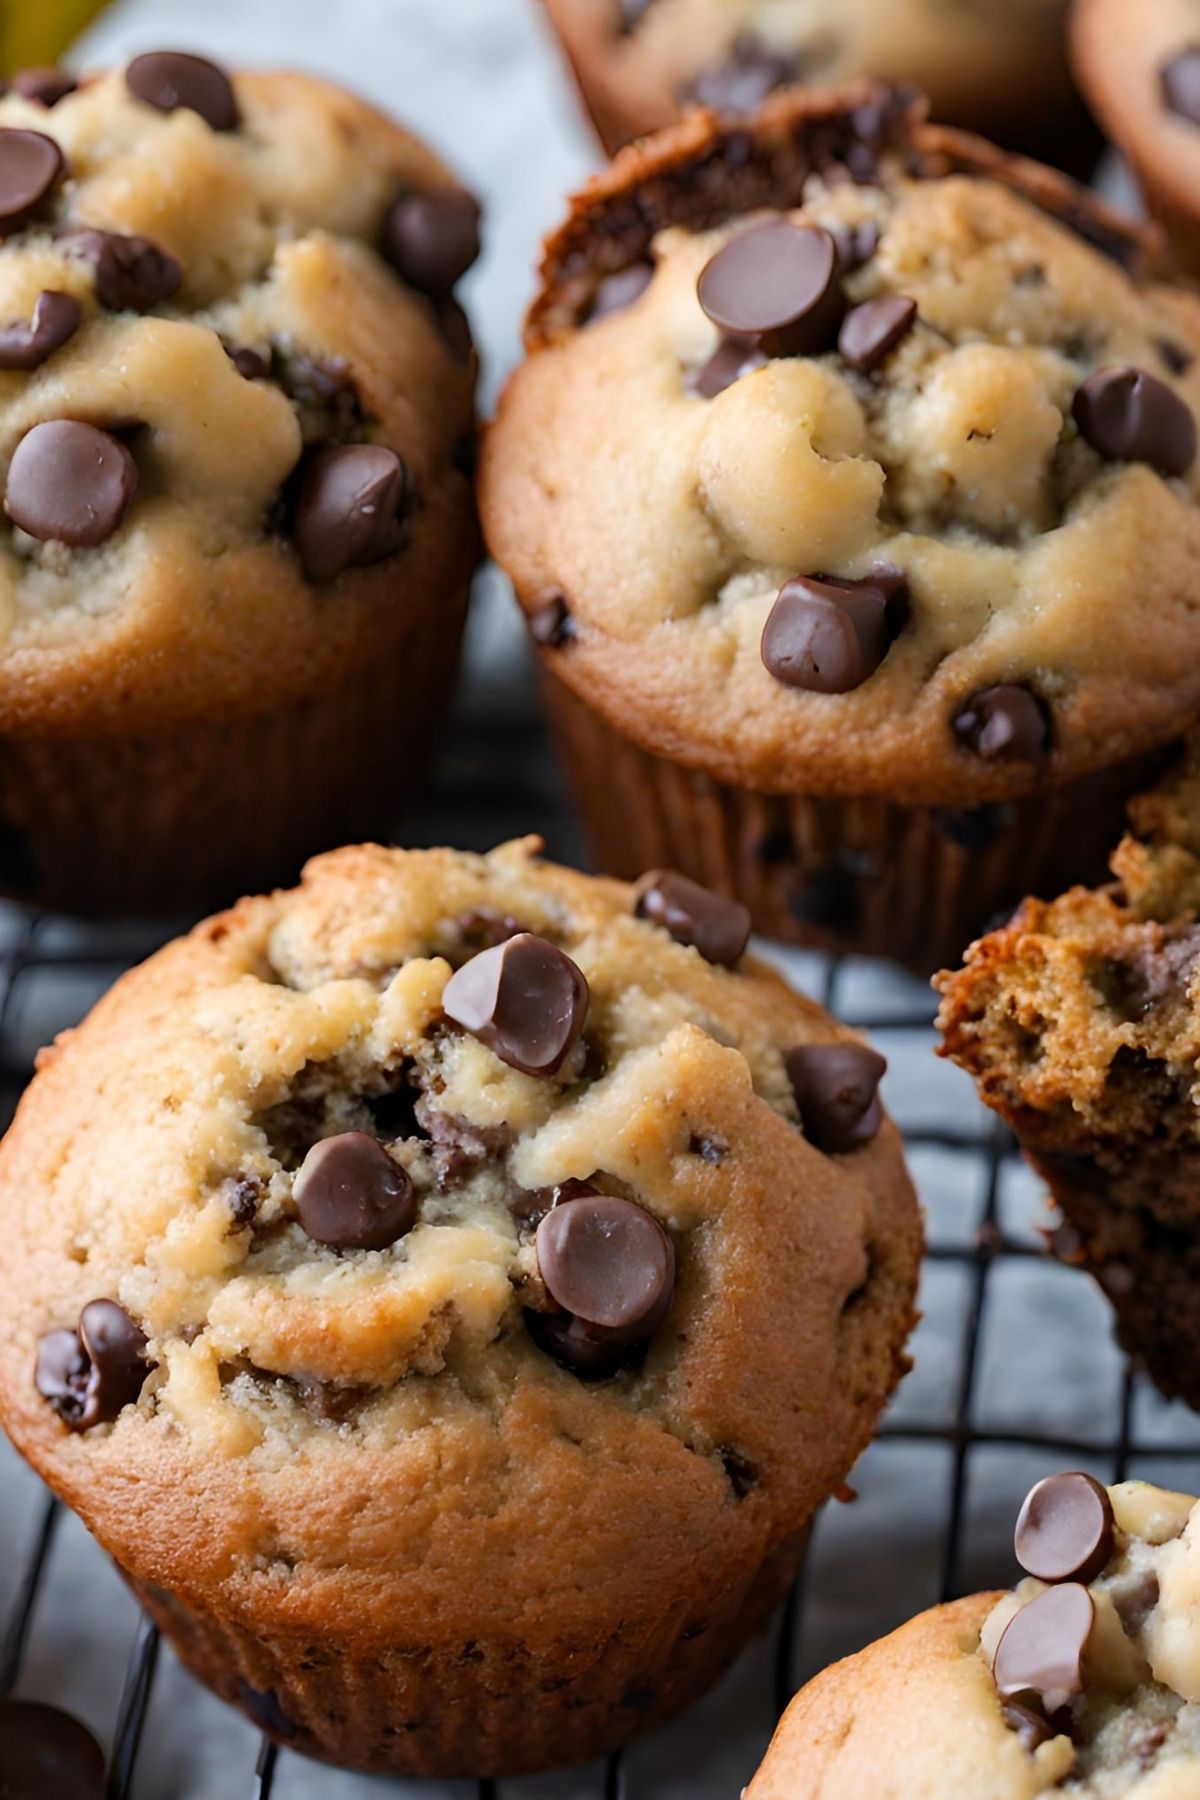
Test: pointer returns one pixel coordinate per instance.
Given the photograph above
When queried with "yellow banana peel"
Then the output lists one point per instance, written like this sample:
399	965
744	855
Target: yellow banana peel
38	31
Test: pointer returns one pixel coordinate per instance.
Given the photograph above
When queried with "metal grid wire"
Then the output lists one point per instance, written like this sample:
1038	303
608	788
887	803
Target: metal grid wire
39	947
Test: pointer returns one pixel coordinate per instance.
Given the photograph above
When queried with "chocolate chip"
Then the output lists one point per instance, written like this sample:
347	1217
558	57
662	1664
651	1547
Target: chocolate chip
1065	1529
456	1146
837	1091
856	245
91	1374
828	634
775	284
1041	1649
169	79
1004	724
241	1195
742	1473
131	273
742	82
717	927
618	291
71	482
431	240
45	1752
1179	84
31	167
708	1147
525	999
1031	1726
550	623
1177	359
45	86
609	1264
352	507
1127	415
732	358
248	362
56	317
871	332
350	1195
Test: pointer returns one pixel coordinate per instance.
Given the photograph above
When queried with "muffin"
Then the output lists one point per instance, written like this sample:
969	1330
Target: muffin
845	458
1138	61
1086	1679
1003	70
236	406
448	1290
1080	1022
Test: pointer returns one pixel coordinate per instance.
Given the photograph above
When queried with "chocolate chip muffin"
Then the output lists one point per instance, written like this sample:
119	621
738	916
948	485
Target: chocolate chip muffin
842	450
235	410
639	64
1085	1680
448	1290
1080	1021
1138	61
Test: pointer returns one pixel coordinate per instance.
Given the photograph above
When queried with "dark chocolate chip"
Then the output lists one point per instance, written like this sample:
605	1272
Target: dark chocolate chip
241	1195
775	284
131	273
1041	1649
1179	84
1030	1725
1065	1529
350	1195
742	1473
56	317
91	1374
588	1353
732	358
550	623
872	331
71	482
719	928
708	1147
741	83
169	79
432	239
1127	415
456	1146
45	1753
828	634
248	362
45	86
525	999
1004	724
856	245
31	167
352	508
618	291
837	1091
609	1264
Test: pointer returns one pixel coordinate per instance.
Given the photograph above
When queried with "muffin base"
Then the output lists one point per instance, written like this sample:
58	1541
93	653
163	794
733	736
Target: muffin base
848	874
476	1710
101	826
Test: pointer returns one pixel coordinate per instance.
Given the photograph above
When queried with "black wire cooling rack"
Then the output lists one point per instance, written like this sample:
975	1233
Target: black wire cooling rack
479	800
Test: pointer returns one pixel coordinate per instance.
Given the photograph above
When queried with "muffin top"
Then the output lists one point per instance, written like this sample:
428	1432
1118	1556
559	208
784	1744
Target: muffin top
646	59
1085	1680
453	1212
233	386
891	488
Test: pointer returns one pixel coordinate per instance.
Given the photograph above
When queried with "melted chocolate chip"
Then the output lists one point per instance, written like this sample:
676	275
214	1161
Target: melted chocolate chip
775	285
1065	1529
1127	415
169	79
91	1374
352	508
1041	1649
1004	724
525	999
837	1091
550	623
56	317
131	273
431	240
248	363
611	1267
1179	84
741	83
350	1195
47	1755
456	1145
731	359
31	167
1030	1725
717	927
70	482
828	634
871	332
618	291
45	86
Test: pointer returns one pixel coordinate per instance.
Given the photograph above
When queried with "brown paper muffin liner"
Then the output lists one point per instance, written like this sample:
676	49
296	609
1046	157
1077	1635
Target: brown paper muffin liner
188	821
857	875
484	1708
